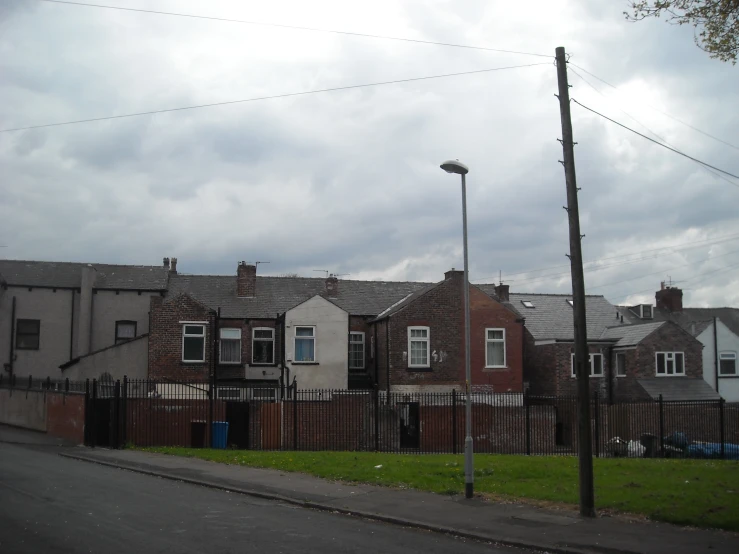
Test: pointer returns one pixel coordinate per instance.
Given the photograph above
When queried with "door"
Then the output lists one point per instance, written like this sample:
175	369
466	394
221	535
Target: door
410	436
237	415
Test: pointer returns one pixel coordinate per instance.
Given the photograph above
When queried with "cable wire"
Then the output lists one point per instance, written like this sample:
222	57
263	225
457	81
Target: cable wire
664	141
286	95
297	27
660	111
659	143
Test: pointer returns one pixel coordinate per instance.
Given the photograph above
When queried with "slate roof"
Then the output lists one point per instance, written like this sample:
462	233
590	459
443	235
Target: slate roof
693	320
678	388
278	294
552	317
397	306
68	275
631	335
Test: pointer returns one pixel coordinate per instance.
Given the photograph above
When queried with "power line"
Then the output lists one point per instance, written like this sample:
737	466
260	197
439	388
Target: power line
657	142
663	270
297	27
711	171
348	87
672	248
660	111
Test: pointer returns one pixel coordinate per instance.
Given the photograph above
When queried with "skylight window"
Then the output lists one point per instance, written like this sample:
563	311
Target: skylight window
527	303
570	302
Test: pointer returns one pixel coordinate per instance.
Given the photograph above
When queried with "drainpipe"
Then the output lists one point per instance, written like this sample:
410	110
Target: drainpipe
71	330
387	355
12	336
611	377
715	351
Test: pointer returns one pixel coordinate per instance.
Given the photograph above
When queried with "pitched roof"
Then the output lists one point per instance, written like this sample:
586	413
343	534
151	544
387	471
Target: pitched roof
631	335
69	275
552	317
693	320
403	302
678	388
278	294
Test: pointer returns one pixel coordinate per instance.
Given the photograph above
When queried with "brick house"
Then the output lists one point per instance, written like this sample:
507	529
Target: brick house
717	329
420	340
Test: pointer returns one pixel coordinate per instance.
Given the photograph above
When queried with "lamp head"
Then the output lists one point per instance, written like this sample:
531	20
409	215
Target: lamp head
455	166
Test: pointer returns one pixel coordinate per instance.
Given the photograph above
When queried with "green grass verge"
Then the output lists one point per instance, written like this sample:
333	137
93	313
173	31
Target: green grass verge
703	493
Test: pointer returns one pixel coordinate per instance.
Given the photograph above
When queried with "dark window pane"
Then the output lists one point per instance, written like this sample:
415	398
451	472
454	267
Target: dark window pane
194	347
679	368
194	329
263	352
230	351
28	326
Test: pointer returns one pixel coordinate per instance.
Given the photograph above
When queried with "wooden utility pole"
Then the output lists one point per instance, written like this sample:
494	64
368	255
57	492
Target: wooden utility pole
582	362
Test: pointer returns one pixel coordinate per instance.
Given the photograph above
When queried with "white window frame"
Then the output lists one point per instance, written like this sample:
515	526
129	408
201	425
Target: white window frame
727	355
488	365
528	304
254	339
315	344
220	345
185	325
591	359
428	345
623	356
357	333
669	356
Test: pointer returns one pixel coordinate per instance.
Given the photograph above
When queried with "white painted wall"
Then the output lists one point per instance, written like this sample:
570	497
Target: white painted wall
728	387
332	344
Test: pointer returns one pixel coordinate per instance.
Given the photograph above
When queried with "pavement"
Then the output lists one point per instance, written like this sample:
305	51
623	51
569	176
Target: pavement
510	524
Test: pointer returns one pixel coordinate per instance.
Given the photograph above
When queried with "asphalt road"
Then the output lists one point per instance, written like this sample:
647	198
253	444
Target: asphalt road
52	504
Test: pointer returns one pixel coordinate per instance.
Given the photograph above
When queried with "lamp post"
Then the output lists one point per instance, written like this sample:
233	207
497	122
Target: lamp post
454	166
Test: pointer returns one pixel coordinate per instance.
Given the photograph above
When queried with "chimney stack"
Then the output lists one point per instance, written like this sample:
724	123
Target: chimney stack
246	280
165	263
332	286
501	291
173	266
454	274
669	298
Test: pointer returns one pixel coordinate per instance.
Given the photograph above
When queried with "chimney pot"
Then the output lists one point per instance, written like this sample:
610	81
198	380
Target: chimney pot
332	286
173	265
165	263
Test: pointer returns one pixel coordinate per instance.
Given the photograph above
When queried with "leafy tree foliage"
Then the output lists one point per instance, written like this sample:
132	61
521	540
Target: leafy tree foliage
716	22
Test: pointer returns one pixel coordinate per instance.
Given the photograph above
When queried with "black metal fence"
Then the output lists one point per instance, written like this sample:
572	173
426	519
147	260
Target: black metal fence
272	417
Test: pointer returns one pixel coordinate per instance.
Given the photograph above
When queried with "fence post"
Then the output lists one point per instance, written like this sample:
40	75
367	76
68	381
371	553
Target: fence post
376	402
116	424
12	381
528	421
48	383
454	421
30	382
86	428
66	384
209	431
596	410
295	416
93	414
721	426
124	422
661	427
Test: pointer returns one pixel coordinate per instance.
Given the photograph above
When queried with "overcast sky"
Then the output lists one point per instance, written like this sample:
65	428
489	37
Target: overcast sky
349	181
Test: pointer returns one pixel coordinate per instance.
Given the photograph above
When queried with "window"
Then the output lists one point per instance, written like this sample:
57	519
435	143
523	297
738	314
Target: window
670	363
620	365
193	342
230	346
495	348
727	363
305	344
263	345
356	350
596	365
527	303
124	330
571	302
418	347
27	333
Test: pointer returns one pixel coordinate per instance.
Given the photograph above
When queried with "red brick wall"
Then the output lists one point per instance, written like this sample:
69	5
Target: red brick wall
165	338
441	309
164	422
247	326
381	349
65	416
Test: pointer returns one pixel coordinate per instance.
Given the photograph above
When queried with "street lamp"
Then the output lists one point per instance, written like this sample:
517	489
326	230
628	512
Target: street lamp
454	166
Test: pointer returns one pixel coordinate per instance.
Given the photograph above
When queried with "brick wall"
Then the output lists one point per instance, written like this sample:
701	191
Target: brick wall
164	422
165	338
441	309
65	416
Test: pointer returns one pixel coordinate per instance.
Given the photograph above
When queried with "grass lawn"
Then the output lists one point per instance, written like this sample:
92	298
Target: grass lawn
703	493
